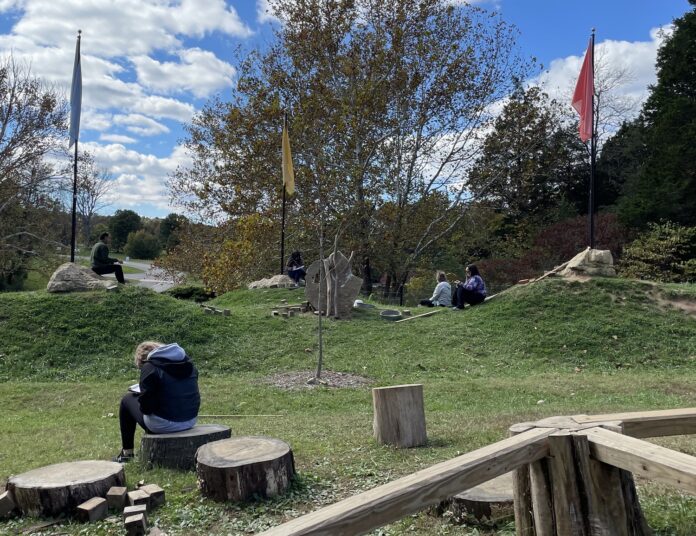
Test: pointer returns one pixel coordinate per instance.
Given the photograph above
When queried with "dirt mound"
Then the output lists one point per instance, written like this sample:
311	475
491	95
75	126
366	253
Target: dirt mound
301	380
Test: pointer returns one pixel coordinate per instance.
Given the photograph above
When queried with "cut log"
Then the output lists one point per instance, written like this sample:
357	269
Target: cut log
136	525
156	494
399	415
129	511
480	500
92	510
178	450
59	488
7	505
137	497
237	469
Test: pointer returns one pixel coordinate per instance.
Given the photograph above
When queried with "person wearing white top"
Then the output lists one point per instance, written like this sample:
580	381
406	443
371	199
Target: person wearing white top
442	295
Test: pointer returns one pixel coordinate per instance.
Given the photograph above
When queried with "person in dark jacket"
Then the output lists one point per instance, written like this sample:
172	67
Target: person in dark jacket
102	263
295	267
472	291
165	400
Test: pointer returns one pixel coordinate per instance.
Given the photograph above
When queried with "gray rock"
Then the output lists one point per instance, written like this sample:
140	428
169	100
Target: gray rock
591	262
71	277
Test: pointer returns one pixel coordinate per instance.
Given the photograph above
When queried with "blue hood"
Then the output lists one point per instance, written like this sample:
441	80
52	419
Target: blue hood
169	352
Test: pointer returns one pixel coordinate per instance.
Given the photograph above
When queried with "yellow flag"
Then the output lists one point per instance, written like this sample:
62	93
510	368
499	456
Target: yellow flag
288	173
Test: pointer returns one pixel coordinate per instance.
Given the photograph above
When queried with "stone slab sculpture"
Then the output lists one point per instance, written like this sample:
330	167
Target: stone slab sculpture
339	288
591	262
71	277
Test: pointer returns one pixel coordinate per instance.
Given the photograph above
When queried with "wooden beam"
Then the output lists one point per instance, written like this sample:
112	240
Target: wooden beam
649	423
643	458
429	313
410	494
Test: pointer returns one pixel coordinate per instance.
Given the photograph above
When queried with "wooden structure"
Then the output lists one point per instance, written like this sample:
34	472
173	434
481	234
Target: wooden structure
480	500
240	468
572	477
60	488
178	450
399	415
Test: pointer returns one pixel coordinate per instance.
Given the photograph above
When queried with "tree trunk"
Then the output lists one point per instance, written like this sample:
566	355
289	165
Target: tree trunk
399	418
178	450
240	468
60	488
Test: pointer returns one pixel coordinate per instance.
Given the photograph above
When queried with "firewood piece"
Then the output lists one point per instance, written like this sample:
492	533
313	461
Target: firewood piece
7	505
138	497
129	511
136	525
178	450
116	497
226	312
237	469
59	488
156	494
92	510
399	415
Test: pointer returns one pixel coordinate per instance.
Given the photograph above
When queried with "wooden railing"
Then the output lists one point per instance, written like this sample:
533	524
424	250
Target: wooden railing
572	475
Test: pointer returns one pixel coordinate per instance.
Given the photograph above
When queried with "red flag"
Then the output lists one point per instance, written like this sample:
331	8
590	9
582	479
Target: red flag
582	98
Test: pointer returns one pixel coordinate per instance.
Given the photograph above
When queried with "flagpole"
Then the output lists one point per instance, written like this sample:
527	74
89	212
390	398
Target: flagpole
73	231
282	224
593	156
74	208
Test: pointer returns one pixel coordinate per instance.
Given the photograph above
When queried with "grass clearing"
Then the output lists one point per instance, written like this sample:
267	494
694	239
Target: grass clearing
593	347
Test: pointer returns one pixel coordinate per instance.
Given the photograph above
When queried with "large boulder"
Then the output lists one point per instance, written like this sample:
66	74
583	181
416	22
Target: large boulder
71	277
591	262
339	288
277	281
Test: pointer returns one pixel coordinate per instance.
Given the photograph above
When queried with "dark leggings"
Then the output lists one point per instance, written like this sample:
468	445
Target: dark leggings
129	415
111	269
463	295
428	303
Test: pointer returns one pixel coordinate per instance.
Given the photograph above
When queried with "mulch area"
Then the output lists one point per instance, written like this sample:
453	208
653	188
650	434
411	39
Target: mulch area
301	380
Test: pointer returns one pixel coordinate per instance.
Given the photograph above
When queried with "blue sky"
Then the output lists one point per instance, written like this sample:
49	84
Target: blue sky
148	65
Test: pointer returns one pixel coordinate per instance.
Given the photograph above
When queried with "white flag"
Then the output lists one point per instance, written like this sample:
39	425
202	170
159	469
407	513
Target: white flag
76	96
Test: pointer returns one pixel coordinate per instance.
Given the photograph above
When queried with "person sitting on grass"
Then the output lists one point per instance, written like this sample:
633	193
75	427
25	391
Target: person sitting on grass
442	295
102	263
295	266
165	400
472	291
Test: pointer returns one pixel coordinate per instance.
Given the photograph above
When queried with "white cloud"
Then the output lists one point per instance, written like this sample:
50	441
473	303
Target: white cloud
117	138
139	124
264	13
199	72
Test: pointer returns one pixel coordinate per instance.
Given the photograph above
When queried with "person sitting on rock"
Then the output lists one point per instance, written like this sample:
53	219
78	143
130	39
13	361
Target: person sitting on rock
295	266
442	295
165	400
472	291
102	263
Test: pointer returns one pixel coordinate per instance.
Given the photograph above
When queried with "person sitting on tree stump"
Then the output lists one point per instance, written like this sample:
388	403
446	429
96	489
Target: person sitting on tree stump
442	295
472	291
165	400
102	263
295	267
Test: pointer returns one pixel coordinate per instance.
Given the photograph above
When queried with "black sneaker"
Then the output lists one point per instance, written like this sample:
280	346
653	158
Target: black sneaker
122	458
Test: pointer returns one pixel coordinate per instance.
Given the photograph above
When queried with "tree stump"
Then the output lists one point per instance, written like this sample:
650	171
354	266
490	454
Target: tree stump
480	500
178	450
399	415
237	469
60	488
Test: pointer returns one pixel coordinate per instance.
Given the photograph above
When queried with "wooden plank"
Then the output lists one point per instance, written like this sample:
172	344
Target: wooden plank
643	458
567	504
429	313
649	423
412	493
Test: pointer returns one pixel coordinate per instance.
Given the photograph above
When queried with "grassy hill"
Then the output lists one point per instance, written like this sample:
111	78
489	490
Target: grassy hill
552	348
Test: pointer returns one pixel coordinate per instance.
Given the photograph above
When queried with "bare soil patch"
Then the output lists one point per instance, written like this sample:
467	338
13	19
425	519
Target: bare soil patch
682	303
299	380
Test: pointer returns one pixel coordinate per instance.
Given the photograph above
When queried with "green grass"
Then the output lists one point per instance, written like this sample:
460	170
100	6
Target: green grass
594	347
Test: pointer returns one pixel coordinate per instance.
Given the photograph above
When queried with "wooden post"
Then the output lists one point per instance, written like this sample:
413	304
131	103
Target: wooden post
399	415
542	506
567	505
521	491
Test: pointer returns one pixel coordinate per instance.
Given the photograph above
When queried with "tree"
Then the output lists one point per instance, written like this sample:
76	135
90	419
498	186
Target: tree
32	121
121	225
169	226
665	186
142	245
386	99
93	186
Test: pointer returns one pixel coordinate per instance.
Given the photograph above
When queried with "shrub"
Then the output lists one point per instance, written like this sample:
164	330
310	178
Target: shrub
142	245
665	252
196	293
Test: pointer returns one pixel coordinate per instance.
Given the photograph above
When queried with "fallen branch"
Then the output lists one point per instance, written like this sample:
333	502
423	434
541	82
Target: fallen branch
429	313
